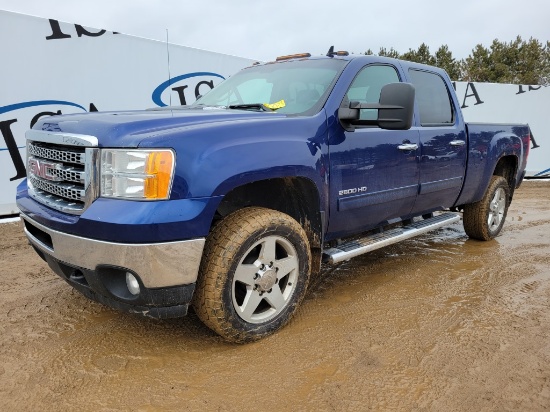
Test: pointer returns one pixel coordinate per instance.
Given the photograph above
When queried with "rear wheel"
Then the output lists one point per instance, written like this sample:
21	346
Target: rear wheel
254	273
483	220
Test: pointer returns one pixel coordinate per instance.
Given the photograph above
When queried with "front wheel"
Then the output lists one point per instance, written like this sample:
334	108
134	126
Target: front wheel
254	273
483	220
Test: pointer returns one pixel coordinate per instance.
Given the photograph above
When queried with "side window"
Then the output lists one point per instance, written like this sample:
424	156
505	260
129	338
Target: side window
367	85
432	98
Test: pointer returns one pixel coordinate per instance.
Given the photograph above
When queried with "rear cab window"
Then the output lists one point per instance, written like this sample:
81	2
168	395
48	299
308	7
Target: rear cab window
433	99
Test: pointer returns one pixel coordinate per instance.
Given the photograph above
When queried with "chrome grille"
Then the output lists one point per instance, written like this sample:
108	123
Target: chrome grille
65	191
66	156
61	176
70	174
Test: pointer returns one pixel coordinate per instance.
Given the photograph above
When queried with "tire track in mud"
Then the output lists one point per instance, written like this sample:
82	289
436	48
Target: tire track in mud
438	322
381	285
490	324
454	300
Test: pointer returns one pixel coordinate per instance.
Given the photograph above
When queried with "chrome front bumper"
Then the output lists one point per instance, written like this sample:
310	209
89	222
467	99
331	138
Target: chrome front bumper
158	265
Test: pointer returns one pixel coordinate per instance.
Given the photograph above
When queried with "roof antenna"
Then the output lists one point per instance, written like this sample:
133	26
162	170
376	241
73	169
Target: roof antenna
168	57
330	52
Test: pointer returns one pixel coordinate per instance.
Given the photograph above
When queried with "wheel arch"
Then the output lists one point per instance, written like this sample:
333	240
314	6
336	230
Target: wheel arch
499	155
507	167
297	197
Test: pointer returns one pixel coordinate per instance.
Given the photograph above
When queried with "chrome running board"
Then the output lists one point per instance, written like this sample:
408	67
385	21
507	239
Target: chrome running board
366	244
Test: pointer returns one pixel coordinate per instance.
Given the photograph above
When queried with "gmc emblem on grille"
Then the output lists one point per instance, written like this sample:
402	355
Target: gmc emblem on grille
42	169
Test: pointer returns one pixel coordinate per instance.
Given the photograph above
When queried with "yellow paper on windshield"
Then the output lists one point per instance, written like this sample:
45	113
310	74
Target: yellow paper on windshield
274	106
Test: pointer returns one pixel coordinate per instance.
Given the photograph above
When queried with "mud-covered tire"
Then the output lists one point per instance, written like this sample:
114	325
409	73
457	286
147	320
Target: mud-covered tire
483	220
254	273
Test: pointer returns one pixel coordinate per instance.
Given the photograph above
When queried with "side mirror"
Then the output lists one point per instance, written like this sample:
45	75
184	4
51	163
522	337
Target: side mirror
395	109
400	96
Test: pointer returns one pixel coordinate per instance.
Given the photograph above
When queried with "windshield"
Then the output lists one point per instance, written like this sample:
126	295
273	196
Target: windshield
292	87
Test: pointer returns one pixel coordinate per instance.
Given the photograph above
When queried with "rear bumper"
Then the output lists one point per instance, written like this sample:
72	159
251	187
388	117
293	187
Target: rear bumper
166	272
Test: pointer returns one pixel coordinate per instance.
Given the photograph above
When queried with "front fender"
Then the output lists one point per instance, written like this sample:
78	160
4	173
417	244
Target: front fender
213	159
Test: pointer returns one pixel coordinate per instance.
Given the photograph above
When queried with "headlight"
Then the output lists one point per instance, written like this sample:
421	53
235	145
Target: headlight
137	174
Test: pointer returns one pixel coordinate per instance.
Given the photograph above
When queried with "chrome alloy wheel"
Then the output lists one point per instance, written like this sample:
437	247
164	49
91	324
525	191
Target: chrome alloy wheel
497	208
265	279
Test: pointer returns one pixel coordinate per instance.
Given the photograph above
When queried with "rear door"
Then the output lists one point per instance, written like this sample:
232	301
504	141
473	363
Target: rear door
443	145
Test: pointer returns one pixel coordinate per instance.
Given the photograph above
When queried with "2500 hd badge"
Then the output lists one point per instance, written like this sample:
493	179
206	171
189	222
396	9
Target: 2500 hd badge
352	191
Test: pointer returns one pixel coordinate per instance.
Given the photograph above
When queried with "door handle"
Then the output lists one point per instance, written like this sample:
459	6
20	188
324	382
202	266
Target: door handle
407	147
457	143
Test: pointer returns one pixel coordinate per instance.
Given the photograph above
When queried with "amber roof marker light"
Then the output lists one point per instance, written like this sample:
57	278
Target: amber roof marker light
293	56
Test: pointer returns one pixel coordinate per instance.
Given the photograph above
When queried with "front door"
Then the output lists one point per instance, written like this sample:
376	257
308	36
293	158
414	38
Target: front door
373	172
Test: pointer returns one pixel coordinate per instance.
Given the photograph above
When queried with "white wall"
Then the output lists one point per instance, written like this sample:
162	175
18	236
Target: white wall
69	73
510	103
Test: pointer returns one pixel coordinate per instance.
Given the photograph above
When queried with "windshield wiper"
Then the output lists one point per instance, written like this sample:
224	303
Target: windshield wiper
255	106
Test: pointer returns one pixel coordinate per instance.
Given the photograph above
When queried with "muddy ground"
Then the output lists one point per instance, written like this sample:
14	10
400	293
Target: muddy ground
437	323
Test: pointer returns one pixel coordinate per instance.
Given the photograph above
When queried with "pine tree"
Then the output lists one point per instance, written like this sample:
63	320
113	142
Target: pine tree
389	53
476	67
422	55
444	59
517	61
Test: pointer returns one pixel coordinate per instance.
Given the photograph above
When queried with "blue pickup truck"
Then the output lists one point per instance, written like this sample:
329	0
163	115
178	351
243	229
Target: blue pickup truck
230	205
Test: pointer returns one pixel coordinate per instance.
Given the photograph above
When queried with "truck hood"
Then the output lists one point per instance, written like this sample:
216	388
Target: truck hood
128	129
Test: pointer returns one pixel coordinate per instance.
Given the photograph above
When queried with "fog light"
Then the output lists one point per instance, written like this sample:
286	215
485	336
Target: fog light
132	283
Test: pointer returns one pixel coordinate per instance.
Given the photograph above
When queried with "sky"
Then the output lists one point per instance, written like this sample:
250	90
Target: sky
262	29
